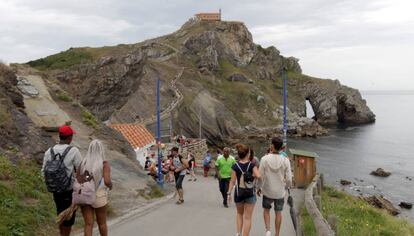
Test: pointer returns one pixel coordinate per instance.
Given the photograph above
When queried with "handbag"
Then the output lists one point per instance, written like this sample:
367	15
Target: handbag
84	189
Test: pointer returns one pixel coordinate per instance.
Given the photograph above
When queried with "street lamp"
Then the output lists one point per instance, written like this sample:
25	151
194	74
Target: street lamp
160	175
284	77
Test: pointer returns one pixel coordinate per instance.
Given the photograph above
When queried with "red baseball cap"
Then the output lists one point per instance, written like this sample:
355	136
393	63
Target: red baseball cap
66	131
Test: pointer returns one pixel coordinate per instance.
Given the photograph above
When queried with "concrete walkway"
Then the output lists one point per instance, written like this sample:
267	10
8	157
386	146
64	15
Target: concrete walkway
202	214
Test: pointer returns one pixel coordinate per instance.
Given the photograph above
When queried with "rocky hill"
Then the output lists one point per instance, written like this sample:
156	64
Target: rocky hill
209	68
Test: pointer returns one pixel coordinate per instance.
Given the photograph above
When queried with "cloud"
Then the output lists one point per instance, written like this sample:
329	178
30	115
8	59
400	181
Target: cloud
362	43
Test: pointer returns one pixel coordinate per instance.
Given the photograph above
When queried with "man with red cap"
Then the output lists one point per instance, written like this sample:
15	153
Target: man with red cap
59	165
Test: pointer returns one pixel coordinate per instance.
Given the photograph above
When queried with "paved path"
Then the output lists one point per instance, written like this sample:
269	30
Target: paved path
202	214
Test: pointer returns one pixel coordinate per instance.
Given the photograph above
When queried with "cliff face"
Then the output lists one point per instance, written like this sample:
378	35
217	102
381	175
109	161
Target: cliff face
20	138
212	69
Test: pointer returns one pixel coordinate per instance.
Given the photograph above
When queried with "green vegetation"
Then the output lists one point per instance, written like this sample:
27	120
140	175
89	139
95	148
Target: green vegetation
89	119
62	60
25	205
4	115
63	96
76	56
356	217
151	193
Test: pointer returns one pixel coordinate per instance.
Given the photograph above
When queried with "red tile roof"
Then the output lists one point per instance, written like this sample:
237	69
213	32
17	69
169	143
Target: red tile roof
137	135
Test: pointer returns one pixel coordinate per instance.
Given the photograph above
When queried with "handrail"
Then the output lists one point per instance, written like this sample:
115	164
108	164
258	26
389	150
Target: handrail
321	225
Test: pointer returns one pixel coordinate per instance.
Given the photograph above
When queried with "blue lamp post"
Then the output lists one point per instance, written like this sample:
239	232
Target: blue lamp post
284	77
160	175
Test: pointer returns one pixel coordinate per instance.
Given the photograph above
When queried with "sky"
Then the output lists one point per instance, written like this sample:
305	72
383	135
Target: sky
366	44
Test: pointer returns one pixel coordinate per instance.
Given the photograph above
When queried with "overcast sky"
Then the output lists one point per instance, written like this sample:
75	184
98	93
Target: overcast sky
366	44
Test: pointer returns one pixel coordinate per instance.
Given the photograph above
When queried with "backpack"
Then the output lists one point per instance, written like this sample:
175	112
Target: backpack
56	178
207	161
84	189
245	188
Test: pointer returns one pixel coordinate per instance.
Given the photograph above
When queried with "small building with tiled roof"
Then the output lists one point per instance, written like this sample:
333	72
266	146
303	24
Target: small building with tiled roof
209	16
138	137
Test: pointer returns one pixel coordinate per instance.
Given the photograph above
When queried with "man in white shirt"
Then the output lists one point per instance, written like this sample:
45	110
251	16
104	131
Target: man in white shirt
276	177
62	190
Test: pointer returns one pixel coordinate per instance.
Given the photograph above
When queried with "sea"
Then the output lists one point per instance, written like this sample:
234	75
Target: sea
352	152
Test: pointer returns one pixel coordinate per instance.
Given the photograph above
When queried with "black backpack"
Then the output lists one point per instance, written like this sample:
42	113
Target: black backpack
245	188
56	178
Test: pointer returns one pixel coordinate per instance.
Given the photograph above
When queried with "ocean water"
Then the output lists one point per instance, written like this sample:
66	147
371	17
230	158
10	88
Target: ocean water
352	152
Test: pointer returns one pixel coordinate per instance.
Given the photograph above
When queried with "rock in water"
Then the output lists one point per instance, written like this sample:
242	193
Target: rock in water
381	173
406	205
345	182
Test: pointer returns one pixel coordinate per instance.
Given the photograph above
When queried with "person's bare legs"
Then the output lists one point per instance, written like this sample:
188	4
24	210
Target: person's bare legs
239	219
64	230
247	221
278	222
87	212
266	217
101	220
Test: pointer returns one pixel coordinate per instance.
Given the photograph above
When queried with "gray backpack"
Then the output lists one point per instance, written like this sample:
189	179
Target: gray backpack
57	181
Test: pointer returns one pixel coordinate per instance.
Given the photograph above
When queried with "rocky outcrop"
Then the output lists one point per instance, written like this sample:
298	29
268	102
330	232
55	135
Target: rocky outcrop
105	85
382	203
229	40
238	80
334	103
20	138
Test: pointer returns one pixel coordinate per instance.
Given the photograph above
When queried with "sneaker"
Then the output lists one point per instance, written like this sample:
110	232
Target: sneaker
238	234
226	205
195	180
268	233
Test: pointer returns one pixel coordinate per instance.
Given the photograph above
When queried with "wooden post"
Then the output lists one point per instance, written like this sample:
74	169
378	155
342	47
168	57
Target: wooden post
318	201
334	223
319	187
315	191
322	180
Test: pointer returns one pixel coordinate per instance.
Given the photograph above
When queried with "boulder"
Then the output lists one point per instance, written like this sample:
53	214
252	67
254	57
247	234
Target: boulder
382	203
345	182
380	173
406	205
237	77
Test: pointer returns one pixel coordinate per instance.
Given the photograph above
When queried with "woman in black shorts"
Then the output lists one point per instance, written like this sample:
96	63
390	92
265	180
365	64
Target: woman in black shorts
243	177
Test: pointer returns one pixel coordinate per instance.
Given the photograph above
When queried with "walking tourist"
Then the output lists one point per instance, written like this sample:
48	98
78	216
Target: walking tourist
180	170
58	168
276	176
207	163
243	176
95	165
223	172
192	164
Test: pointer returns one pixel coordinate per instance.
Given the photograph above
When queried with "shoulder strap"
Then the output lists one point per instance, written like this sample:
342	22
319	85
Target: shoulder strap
237	164
52	153
66	152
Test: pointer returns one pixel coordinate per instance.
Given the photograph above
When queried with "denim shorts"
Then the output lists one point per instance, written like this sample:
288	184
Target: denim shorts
250	200
267	203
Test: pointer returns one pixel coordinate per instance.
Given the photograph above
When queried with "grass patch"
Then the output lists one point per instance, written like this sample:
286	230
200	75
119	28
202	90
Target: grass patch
4	114
356	217
63	96
152	192
307	224
25	205
62	60
89	119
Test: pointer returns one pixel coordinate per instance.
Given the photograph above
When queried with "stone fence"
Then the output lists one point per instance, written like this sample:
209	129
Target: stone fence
198	148
313	204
